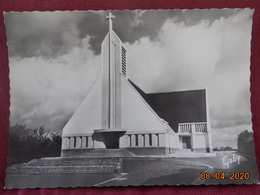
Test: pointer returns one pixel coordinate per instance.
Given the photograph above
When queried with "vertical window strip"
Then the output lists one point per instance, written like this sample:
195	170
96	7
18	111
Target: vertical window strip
123	61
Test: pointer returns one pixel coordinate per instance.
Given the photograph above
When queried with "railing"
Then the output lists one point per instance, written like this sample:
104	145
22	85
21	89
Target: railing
188	128
184	127
201	127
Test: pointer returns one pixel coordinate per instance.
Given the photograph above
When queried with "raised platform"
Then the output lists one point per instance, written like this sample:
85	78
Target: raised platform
192	155
97	152
67	165
110	137
105	161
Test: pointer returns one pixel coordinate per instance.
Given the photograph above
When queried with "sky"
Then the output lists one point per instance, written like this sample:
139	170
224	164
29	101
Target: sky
55	57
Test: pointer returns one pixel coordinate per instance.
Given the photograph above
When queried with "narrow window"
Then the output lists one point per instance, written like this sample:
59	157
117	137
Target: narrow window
150	139
86	142
69	141
123	61
75	142
80	138
136	140
130	140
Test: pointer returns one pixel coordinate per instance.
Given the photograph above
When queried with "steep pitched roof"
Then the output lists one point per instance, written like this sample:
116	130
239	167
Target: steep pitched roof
177	107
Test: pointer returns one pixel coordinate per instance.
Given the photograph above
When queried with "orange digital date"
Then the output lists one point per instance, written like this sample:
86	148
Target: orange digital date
222	175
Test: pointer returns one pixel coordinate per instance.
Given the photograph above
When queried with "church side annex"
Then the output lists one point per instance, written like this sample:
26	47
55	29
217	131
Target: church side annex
117	118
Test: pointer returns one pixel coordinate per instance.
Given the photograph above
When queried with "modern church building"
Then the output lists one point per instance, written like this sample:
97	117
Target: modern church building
116	115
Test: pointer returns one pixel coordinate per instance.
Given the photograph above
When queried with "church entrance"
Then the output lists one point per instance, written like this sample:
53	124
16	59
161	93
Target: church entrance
112	142
186	142
110	137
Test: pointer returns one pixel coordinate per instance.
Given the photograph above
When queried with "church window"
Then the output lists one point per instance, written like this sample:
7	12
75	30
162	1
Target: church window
150	139
86	142
80	141
130	140
74	142
143	140
69	142
136	140
157	137
123	61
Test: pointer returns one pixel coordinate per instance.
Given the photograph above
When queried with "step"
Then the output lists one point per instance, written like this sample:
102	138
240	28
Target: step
109	153
66	165
183	151
60	169
72	162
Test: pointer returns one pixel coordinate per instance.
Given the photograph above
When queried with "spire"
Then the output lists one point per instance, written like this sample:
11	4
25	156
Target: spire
110	17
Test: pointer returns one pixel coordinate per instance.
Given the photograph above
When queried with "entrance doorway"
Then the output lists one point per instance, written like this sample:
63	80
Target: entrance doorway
112	142
110	137
186	142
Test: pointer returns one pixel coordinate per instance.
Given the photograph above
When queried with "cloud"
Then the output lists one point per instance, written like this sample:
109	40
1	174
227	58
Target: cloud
30	33
167	51
47	91
51	34
138	17
222	137
179	55
211	54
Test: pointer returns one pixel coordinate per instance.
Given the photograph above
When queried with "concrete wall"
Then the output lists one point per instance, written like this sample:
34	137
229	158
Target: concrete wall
199	142
139	143
143	139
152	151
80	141
105	82
178	107
111	81
87	117
137	115
130	139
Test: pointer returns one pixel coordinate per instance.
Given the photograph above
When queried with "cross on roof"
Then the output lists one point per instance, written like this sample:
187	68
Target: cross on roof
110	17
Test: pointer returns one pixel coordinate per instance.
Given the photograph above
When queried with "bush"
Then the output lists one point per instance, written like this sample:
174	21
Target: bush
245	143
26	144
227	148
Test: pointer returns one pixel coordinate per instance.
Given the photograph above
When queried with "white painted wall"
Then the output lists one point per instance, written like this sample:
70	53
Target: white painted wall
87	117
136	114
199	140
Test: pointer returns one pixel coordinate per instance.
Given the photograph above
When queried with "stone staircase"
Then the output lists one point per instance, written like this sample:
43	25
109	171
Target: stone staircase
183	151
110	153
93	161
67	165
97	152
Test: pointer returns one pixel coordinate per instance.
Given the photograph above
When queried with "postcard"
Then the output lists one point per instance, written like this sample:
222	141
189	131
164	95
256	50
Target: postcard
130	98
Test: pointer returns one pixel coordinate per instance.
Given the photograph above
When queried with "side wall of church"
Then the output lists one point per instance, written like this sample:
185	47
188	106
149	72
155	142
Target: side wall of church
151	143
87	117
136	114
180	106
200	142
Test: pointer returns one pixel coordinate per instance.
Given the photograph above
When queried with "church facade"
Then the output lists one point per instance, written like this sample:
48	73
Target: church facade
117	115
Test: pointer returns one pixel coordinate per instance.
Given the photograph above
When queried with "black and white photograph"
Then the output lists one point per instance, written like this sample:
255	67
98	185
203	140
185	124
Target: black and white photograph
130	98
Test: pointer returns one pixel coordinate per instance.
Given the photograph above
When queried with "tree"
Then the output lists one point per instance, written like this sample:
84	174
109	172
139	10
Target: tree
227	148
245	143
26	144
